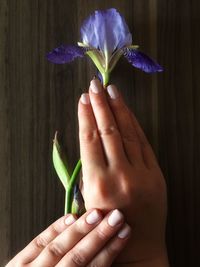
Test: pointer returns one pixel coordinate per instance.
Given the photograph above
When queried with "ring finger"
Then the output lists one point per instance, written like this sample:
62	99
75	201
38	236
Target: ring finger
127	130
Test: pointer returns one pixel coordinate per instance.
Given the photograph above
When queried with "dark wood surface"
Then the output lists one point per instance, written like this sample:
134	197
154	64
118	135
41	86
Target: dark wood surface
38	98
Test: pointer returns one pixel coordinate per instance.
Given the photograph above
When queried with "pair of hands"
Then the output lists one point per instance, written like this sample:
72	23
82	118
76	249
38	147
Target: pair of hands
120	171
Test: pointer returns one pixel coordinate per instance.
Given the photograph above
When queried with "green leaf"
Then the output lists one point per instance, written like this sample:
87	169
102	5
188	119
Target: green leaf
59	164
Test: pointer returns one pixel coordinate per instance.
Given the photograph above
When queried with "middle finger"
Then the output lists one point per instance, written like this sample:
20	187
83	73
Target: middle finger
106	124
84	251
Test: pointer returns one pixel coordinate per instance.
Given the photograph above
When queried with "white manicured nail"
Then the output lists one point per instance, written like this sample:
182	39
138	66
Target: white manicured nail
93	217
112	91
125	231
85	99
69	220
95	86
115	218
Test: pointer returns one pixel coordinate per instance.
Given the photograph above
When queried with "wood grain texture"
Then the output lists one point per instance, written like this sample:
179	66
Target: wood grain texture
5	229
38	98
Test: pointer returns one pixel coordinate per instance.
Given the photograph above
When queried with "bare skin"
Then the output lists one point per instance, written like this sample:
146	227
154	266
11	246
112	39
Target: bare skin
92	240
120	170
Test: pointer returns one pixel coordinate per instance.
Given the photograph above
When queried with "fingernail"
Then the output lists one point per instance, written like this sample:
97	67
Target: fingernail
95	86
85	99
112	91
93	217
69	220
125	231
115	218
94	77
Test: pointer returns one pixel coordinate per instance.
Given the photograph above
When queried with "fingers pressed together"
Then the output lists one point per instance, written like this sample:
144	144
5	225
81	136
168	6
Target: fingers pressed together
109	133
78	242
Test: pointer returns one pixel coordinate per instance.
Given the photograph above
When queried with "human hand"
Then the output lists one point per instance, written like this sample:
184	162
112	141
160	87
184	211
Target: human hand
91	240
120	170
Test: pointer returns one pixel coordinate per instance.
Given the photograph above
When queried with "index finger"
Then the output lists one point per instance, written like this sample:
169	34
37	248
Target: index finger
36	246
92	154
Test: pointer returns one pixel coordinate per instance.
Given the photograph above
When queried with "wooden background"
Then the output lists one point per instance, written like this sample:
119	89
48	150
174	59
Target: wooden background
38	98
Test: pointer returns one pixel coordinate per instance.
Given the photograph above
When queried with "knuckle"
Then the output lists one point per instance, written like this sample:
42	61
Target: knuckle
111	250
89	135
77	258
41	241
143	141
109	130
103	234
130	135
54	230
56	249
81	227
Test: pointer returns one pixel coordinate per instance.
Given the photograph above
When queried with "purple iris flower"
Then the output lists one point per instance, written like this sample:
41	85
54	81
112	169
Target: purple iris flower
105	38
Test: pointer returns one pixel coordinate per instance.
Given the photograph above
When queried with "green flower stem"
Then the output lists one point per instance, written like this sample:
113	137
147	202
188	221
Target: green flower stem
106	77
65	212
70	187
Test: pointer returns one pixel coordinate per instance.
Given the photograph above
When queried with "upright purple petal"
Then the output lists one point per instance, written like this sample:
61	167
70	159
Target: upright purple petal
142	61
106	30
65	54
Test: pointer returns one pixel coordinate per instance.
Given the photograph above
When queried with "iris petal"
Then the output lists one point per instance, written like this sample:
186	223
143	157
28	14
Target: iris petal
65	54
106	30
142	61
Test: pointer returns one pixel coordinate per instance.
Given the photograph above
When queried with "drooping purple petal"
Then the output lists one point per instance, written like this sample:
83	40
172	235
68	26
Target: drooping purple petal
106	30
65	53
142	61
